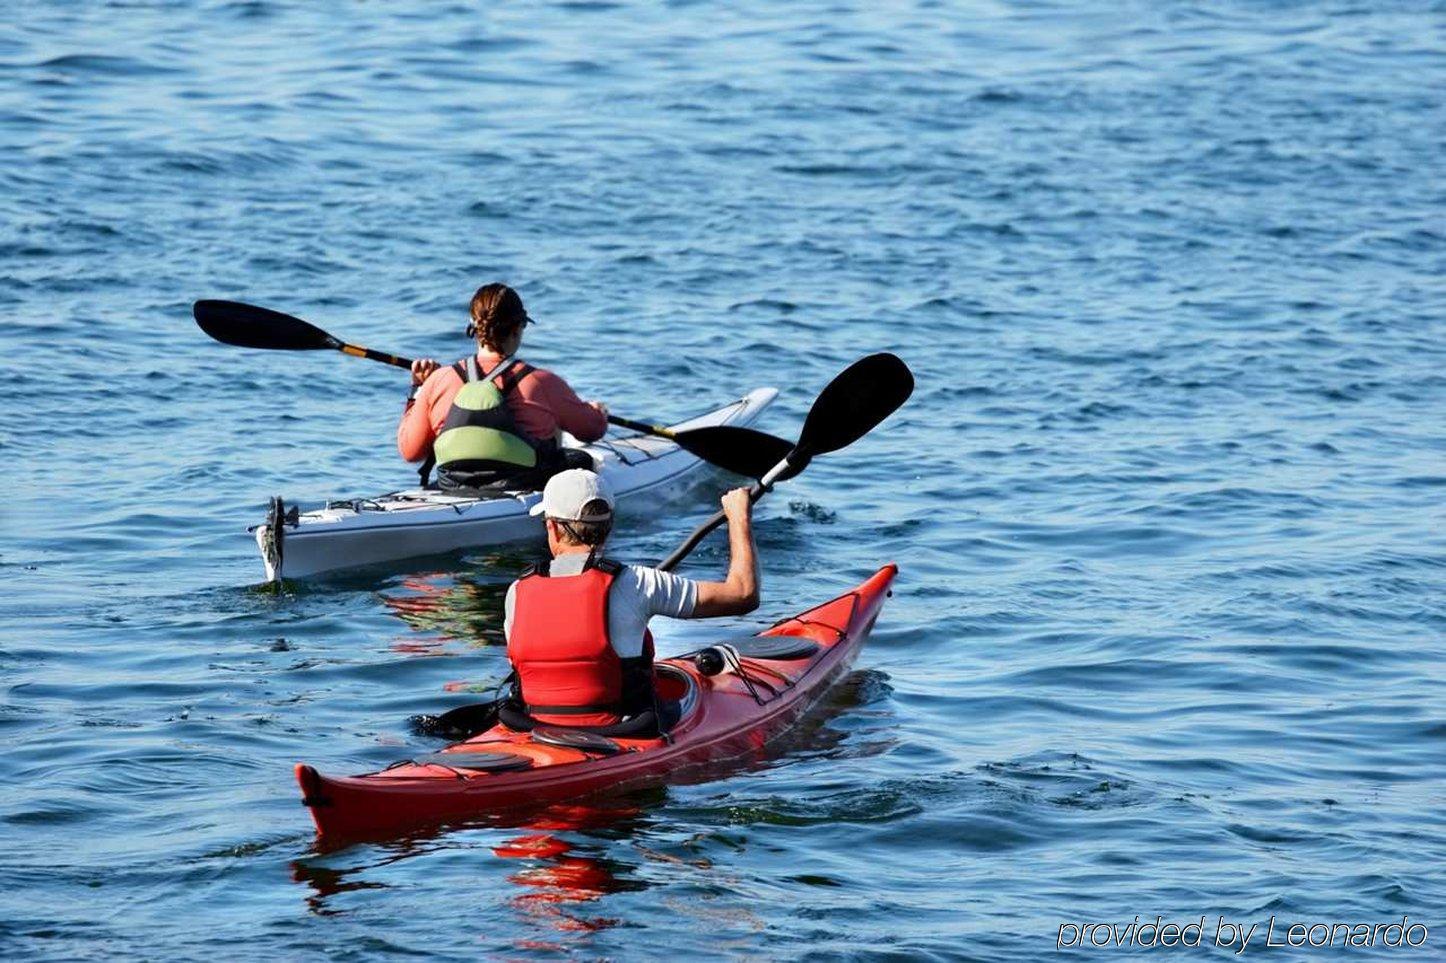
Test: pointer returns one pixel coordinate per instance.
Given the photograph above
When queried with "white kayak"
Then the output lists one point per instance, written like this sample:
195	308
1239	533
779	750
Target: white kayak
425	521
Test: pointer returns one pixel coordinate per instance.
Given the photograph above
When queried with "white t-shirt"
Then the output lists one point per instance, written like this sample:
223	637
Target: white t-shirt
637	594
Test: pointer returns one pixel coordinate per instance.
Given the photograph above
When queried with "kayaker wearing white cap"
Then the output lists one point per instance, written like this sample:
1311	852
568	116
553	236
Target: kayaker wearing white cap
577	625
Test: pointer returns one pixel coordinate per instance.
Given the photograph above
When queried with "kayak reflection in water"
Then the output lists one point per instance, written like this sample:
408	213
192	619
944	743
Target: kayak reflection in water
559	873
492	420
577	625
564	858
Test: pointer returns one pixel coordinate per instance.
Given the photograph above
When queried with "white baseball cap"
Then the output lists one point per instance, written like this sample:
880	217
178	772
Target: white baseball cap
568	492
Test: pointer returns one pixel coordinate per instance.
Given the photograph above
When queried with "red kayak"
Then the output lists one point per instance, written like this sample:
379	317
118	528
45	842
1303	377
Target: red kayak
722	717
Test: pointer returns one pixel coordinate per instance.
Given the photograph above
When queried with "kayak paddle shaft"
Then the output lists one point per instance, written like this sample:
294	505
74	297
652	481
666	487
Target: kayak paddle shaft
849	407
357	351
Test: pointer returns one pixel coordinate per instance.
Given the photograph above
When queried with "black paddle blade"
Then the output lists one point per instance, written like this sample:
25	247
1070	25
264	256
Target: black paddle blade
249	326
742	451
463	722
864	394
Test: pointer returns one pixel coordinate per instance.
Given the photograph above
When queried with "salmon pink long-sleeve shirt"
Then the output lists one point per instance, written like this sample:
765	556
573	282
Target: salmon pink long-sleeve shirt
542	404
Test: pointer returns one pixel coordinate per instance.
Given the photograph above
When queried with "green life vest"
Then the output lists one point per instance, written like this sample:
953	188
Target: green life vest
479	440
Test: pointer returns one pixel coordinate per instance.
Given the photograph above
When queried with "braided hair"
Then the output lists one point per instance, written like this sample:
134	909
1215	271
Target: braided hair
497	314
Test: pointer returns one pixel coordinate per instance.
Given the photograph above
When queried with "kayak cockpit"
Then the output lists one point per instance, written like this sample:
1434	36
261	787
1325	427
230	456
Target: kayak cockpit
505	748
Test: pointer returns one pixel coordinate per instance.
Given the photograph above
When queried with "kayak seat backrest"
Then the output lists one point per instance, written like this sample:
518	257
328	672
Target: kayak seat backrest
476	761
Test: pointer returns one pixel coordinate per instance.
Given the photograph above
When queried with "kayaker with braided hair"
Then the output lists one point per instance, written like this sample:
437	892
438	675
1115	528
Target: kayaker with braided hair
577	625
492	420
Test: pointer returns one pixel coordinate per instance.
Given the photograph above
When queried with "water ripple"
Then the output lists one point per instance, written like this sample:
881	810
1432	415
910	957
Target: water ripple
1166	498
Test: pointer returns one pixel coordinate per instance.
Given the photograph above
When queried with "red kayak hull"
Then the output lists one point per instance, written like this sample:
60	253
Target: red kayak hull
722	722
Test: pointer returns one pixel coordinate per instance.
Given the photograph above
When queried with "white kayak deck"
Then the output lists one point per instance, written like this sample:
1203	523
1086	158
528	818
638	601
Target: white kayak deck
419	521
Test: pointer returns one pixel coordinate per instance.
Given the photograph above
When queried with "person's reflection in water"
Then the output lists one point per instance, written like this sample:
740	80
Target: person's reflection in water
453	607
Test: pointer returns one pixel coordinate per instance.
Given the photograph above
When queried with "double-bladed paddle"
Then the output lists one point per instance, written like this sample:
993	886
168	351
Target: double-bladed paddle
852	405
743	451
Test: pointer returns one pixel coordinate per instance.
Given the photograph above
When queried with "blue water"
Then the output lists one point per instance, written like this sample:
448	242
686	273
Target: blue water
1168	500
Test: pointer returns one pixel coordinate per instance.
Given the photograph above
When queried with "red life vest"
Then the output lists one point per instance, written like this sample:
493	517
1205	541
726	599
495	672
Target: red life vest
567	669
